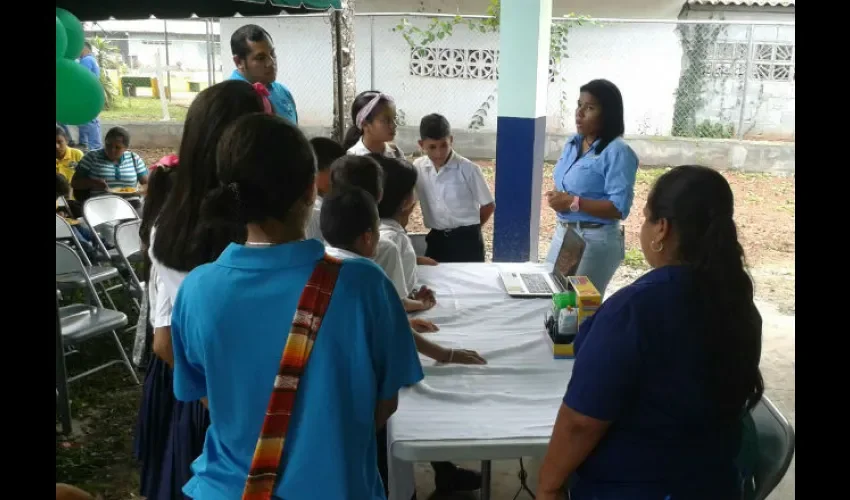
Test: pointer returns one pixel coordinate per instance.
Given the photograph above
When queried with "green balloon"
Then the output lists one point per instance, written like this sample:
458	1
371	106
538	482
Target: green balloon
79	94
73	31
61	39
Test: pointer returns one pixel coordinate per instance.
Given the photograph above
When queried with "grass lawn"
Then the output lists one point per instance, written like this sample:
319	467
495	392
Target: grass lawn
142	109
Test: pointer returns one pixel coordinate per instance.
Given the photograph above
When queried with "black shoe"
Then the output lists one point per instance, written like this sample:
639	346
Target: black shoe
449	478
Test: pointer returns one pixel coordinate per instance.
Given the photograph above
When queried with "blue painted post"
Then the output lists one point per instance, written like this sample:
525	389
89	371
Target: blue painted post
521	127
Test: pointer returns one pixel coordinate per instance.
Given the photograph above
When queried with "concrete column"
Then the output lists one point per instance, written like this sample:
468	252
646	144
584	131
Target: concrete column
521	127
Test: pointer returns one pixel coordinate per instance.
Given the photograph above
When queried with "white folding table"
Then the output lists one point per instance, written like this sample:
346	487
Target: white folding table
503	410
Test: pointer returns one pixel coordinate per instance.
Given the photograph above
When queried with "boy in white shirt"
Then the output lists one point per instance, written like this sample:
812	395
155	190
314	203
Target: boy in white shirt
456	201
365	173
350	222
327	151
394	208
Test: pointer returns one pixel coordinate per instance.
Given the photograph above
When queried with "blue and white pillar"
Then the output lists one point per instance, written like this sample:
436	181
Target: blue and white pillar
521	127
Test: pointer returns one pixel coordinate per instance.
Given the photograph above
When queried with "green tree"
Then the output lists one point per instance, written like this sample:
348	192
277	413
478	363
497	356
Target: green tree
697	40
108	57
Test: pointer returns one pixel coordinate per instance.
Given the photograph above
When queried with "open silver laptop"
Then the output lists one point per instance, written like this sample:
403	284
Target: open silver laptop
543	284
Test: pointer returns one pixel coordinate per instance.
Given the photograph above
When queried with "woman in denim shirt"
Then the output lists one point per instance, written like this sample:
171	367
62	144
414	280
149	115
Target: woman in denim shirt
594	183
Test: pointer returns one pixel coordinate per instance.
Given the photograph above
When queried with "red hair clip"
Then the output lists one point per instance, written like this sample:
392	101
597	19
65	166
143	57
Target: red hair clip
264	94
167	161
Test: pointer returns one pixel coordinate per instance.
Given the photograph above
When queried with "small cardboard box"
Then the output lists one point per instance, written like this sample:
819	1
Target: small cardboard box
562	345
561	351
588	298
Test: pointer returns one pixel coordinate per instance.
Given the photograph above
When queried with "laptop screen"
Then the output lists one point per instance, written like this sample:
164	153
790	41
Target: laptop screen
570	255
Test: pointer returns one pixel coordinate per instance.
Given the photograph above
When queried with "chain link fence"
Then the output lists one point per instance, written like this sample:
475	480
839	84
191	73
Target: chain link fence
702	79
140	59
686	78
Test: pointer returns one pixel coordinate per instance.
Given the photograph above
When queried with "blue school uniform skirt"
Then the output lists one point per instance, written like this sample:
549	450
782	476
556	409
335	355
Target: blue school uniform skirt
169	435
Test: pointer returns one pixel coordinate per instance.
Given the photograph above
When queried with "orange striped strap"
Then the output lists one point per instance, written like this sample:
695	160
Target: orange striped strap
264	473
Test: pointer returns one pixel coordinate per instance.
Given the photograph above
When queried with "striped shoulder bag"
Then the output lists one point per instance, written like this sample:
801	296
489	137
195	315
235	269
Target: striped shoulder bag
264	475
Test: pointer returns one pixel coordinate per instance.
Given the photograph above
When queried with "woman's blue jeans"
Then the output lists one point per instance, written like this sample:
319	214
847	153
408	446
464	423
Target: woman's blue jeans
603	253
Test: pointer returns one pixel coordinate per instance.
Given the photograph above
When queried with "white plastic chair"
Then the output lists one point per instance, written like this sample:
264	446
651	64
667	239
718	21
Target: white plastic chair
129	246
102	213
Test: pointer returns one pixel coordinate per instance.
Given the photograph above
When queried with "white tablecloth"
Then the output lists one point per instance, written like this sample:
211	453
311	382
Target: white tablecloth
502	410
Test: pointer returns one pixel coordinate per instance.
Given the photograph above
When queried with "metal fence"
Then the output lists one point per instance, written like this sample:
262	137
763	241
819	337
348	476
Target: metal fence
686	78
142	57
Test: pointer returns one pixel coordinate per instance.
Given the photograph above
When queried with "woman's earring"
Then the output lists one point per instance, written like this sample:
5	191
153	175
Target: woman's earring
654	249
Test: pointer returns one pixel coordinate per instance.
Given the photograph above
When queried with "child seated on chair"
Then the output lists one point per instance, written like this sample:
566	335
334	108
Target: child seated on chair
67	157
365	173
80	230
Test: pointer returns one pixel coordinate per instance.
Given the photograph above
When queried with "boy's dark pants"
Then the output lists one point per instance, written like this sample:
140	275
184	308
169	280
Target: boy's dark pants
461	244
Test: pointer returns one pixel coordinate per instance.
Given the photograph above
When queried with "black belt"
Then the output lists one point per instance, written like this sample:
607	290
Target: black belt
582	225
461	229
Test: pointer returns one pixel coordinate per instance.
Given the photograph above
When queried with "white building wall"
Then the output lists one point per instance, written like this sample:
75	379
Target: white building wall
416	96
190	54
643	59
769	108
631	9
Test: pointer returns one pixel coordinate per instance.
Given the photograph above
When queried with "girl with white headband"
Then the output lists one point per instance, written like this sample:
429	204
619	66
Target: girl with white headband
373	115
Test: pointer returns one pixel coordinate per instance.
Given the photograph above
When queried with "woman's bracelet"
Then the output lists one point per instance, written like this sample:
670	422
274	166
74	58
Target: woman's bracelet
451	355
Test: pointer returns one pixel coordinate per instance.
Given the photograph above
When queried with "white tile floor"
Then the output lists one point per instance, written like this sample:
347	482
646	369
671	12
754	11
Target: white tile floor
778	371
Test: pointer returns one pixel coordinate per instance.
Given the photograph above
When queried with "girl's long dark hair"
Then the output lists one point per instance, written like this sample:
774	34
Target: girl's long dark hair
159	186
353	134
265	166
611	101
698	204
182	242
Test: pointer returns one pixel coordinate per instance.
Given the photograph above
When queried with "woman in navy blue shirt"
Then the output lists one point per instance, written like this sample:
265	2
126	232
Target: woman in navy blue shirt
594	183
667	367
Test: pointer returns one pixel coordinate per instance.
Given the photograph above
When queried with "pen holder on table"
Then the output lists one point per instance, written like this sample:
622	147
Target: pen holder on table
562	345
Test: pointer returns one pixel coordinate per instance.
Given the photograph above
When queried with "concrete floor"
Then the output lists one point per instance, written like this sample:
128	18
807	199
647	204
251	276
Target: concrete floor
777	368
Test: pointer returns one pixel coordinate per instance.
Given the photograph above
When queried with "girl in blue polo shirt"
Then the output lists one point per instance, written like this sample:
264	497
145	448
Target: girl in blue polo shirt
170	434
233	317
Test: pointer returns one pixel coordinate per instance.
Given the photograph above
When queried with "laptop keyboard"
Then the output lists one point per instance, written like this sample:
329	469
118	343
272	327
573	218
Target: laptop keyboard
536	283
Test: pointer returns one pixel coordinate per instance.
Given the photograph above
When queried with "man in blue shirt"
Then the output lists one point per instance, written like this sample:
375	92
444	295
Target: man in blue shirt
90	132
256	61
